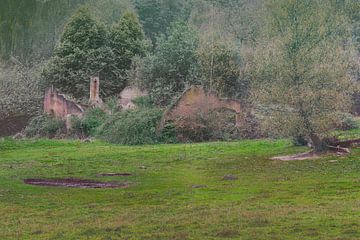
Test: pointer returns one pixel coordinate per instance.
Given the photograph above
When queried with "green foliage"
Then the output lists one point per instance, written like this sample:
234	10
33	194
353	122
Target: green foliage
353	133
221	70
132	127
93	118
347	122
88	124
108	11
299	64
301	71
143	102
112	104
168	133
82	53
45	126
157	15
14	19
216	125
173	64
87	48
232	21
299	140
19	91
29	29
127	40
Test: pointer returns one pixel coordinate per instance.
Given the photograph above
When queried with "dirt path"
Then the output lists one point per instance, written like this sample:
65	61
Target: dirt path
298	157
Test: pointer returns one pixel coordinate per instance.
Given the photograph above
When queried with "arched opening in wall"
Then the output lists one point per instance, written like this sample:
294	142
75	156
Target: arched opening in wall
209	125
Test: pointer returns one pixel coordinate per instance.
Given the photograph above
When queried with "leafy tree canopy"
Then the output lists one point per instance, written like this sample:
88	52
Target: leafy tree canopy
301	68
173	64
88	48
127	40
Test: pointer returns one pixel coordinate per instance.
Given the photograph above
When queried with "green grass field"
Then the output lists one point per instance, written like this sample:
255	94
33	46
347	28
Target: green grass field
312	199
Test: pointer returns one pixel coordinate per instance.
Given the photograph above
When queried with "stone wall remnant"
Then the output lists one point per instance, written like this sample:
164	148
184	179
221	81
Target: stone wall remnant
196	100
128	95
60	106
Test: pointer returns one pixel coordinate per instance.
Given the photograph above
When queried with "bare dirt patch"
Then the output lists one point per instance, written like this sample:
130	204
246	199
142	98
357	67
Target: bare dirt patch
114	174
298	157
74	183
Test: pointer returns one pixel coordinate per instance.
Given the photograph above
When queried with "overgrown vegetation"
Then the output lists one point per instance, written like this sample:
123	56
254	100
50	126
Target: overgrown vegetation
45	126
88	124
293	63
132	127
19	91
173	65
88	48
307	55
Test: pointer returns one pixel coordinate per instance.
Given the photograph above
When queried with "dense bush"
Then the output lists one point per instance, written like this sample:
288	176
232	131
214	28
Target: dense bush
218	125
132	127
144	102
45	126
19	92
168	133
299	140
87	125
347	122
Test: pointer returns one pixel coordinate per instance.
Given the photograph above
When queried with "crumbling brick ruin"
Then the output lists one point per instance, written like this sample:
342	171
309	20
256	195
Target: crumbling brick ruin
127	96
59	106
195	100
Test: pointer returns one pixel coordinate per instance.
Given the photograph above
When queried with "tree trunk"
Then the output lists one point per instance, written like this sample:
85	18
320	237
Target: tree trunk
317	143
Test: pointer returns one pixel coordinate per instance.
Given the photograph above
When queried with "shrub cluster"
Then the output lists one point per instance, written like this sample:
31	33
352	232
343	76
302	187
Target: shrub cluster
218	125
87	125
45	126
132	127
347	122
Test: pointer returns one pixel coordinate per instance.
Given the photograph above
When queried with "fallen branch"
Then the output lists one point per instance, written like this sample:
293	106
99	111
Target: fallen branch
347	143
339	149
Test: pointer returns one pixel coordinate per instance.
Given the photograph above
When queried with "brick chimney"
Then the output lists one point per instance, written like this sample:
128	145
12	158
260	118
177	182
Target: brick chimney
95	99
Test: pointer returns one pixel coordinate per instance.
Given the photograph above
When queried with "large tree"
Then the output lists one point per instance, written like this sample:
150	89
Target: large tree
81	53
172	66
127	40
88	48
301	68
221	70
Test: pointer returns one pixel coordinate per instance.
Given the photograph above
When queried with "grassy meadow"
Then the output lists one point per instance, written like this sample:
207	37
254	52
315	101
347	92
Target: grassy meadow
178	192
